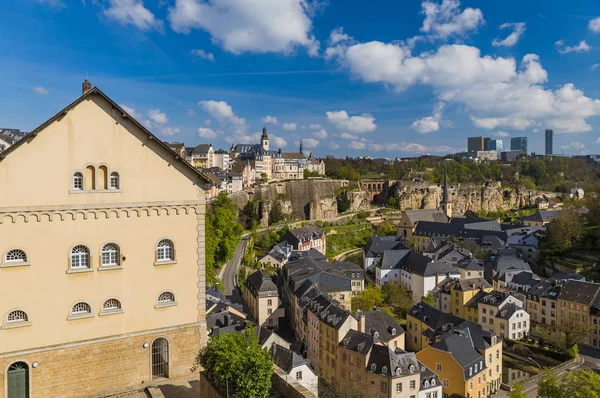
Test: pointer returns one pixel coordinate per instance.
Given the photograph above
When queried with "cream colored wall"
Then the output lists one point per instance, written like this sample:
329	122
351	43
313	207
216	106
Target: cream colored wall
42	170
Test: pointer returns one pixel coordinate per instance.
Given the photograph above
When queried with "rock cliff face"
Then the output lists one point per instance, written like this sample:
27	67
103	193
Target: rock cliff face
303	199
463	197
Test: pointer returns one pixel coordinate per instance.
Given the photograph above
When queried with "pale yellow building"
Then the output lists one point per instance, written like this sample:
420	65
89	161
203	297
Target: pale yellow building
261	296
102	274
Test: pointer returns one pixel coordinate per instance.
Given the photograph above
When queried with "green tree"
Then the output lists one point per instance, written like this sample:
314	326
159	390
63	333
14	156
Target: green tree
236	365
369	298
518	391
392	202
276	214
581	384
386	228
398	296
429	299
565	335
249	214
223	233
548	386
264	177
343	203
564	232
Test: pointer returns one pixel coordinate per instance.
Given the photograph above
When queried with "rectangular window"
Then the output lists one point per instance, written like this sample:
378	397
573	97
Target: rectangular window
412	384
383	386
269	302
445	382
298	375
269	311
438	367
398	387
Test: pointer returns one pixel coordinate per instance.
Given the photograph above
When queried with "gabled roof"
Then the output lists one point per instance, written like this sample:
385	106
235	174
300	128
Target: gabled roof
414	263
433	317
507	311
382	323
292	155
461	347
261	282
328	311
543	216
378	244
287	359
580	292
357	342
393	363
471	264
435	215
120	111
201	149
330	277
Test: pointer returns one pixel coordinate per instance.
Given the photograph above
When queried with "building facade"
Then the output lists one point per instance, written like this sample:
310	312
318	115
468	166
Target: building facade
262	298
549	141
519	144
113	208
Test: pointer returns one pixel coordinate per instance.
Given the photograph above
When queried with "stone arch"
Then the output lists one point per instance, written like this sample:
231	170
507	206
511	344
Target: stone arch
90	177
102	177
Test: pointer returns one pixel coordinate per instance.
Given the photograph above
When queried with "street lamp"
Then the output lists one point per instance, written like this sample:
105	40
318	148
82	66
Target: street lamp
538	365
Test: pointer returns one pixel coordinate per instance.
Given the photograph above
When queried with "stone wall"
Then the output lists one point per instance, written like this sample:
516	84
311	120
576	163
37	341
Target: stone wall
463	197
97	369
302	199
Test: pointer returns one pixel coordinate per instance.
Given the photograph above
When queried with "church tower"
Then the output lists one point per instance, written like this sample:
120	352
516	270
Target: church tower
264	139
446	205
301	148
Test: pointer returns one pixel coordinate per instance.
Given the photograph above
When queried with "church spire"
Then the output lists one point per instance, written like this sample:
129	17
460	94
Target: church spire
446	205
301	149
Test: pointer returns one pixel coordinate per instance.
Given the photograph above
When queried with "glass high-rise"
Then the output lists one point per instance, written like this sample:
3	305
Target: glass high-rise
549	141
519	143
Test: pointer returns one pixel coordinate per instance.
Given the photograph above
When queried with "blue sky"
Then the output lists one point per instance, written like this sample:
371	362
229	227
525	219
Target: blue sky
381	78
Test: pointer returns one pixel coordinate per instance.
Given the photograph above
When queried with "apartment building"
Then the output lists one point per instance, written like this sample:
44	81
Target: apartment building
576	302
262	298
504	314
424	322
542	302
373	250
389	331
102	270
459	297
306	238
201	156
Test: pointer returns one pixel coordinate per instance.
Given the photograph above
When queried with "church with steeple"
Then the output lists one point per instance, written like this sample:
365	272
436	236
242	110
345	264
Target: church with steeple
445	204
276	164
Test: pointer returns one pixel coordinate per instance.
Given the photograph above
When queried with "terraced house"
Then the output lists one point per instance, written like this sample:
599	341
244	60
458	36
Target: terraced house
102	273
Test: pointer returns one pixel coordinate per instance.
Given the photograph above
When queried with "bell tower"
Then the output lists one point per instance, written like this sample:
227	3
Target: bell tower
264	139
446	205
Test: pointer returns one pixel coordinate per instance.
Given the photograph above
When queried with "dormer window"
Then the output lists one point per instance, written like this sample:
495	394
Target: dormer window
393	331
384	370
470	371
412	369
376	334
373	367
432	382
426	384
475	368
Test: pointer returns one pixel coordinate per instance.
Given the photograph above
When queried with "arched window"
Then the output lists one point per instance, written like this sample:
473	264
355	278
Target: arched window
77	181
16	317
81	308
114	180
110	255
111	306
15	256
166	297
165	251
432	382
17	380
80	257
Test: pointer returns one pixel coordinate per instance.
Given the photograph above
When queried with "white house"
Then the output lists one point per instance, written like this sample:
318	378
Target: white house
296	367
417	272
373	251
504	315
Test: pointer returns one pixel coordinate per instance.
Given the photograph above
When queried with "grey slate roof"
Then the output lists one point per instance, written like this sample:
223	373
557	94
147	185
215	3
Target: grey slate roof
461	347
414	263
398	363
312	253
286	359
449	253
471	264
301	235
381	322
260	283
494	298
428	228
543	216
433	317
435	215
357	342
507	311
328	311
201	149
427	375
580	292
378	244
329	276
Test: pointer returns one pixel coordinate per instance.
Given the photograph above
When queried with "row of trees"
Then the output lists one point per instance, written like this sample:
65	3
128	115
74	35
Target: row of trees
575	384
392	297
223	233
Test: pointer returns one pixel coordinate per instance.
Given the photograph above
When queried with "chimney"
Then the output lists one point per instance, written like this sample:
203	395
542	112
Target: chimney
361	322
86	86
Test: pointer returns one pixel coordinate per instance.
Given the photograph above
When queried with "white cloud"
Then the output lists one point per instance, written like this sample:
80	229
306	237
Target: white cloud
376	147
320	134
41	90
203	54
595	66
205	132
518	28
445	19
270	120
247	139
597	141
223	112
357	145
134	13
289	126
496	92
279	142
581	47
315	126
334	146
352	124
574	145
595	25
190	112
157	116
248	25
310	142
501	134
348	136
170	131
430	123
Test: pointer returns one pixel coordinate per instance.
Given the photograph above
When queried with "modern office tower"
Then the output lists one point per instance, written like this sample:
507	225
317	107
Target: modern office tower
517	143
495	145
549	141
475	144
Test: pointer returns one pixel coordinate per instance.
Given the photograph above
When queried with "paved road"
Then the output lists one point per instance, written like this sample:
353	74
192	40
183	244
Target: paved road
229	271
